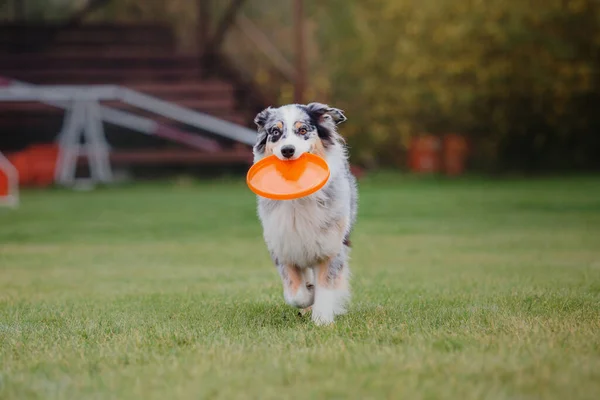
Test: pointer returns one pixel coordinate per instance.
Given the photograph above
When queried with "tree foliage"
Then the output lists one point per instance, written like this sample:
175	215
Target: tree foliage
519	77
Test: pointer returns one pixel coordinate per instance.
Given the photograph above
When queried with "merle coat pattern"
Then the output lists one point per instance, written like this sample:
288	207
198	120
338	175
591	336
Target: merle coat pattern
308	238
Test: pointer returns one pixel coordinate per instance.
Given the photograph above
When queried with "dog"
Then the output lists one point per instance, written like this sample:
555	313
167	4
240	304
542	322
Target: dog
309	238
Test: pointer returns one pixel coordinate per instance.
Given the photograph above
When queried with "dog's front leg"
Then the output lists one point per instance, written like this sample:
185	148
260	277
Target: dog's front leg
298	290
332	291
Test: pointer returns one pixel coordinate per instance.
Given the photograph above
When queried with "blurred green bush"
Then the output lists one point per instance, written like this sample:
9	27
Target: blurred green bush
520	78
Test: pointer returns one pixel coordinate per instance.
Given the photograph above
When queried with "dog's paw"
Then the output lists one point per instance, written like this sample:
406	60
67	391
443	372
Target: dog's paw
323	311
322	319
303	298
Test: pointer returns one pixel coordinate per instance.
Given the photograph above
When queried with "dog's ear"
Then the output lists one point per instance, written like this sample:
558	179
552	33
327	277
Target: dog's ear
261	139
323	110
262	117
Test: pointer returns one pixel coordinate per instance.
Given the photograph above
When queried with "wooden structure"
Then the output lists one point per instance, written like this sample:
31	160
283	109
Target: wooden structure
142	57
83	135
139	57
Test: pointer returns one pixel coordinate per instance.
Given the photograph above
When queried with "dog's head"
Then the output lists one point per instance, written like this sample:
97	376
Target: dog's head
294	129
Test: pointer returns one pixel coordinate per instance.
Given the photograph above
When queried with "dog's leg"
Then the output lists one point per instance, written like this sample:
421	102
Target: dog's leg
332	291
309	278
296	289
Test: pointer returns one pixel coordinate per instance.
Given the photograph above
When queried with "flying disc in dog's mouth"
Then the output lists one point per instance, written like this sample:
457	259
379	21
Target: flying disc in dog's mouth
287	180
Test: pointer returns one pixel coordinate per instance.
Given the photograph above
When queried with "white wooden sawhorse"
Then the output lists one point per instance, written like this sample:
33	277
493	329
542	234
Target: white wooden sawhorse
82	134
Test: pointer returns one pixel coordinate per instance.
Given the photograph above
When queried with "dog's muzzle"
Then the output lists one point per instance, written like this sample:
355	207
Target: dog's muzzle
288	151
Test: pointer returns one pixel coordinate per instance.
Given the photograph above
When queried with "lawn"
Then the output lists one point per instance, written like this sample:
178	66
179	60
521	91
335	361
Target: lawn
465	289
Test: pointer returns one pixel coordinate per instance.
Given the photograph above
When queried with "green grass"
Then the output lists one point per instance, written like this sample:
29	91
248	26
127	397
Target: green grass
464	289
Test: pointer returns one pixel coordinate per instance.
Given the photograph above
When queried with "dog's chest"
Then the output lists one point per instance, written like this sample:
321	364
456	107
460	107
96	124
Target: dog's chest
301	232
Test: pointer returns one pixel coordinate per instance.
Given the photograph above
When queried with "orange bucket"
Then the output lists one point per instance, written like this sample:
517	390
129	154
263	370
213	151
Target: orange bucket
454	154
36	164
21	163
43	162
424	154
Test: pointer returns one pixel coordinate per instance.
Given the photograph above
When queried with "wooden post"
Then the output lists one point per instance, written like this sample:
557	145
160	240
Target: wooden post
300	84
204	17
19	8
226	22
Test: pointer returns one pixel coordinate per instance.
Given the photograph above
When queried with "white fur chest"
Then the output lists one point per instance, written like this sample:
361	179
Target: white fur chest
303	231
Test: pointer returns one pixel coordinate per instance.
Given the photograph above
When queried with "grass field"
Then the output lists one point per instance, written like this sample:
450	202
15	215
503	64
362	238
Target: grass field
465	289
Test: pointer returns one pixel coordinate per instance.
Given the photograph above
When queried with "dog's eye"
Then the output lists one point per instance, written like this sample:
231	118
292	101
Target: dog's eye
275	132
302	131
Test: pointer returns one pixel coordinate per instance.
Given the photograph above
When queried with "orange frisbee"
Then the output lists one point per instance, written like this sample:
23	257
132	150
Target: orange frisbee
287	180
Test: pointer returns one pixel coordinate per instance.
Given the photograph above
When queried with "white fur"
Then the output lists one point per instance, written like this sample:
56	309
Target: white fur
304	297
331	302
293	231
307	231
291	114
323	311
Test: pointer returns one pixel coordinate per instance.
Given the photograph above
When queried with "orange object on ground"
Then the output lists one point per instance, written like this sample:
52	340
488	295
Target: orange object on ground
454	154
22	164
36	164
424	154
287	180
4	186
43	162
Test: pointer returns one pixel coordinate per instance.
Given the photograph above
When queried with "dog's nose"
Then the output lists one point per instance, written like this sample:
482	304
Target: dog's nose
288	151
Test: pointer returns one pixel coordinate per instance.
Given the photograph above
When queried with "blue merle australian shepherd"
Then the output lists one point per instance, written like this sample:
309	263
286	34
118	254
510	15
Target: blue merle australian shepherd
308	238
